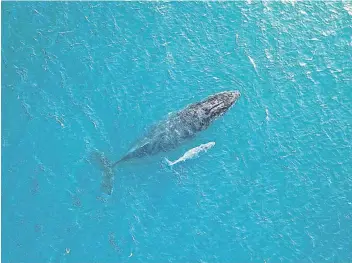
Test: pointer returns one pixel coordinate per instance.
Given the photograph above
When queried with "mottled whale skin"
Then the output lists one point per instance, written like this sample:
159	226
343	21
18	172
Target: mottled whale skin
182	126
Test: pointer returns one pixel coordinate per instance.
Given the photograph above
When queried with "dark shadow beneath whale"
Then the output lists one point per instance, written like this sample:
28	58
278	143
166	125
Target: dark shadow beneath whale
173	131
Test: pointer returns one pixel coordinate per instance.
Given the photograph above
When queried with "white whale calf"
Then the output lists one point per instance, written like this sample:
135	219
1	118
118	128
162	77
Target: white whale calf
192	153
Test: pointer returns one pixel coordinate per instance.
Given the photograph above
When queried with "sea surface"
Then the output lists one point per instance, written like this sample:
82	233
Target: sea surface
85	77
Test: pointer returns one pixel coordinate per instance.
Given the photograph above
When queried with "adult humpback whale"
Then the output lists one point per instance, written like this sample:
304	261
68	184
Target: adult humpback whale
175	130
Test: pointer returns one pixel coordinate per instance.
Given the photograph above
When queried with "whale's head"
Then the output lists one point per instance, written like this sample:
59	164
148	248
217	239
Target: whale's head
217	104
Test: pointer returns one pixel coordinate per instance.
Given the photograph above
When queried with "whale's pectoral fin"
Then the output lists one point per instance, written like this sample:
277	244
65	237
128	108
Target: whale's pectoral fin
107	183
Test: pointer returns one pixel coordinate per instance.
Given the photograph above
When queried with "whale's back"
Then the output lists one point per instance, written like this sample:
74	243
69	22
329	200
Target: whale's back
182	126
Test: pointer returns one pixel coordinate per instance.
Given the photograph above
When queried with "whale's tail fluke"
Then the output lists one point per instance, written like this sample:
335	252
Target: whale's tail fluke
169	162
107	182
106	167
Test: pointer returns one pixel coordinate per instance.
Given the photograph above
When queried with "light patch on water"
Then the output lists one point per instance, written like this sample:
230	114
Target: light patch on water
328	33
292	2
268	55
348	8
266	6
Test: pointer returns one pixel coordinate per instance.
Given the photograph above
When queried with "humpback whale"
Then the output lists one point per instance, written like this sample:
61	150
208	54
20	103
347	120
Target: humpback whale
173	131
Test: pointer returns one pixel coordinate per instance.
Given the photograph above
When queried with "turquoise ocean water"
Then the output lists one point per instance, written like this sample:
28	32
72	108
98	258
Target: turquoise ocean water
79	76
